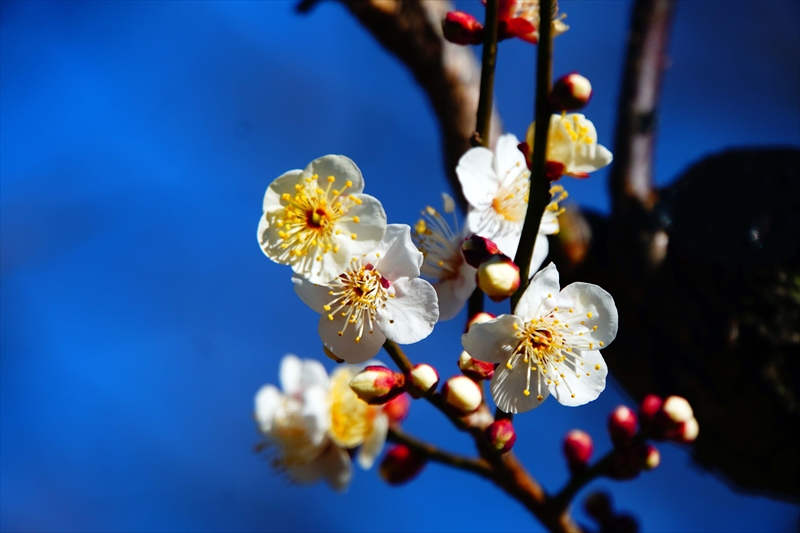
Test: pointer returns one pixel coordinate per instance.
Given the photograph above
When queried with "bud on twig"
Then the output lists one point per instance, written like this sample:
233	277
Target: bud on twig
462	28
648	409
478	250
501	435
571	92
462	394
578	447
377	385
423	380
622	426
480	318
676	410
649	456
401	464
687	431
397	409
498	277
475	369
598	506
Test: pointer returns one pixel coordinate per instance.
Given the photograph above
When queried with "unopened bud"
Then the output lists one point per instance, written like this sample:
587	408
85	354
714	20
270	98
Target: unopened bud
401	464
622	426
578	449
676	409
649	456
477	250
475	369
462	394
571	92
480	318
423	380
498	278
462	28
648	409
397	409
377	385
686	431
501	435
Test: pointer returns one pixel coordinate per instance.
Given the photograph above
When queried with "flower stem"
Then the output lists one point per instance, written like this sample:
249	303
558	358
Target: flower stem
539	186
476	466
398	356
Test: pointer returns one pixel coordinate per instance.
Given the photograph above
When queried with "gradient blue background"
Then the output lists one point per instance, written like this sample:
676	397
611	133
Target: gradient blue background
139	316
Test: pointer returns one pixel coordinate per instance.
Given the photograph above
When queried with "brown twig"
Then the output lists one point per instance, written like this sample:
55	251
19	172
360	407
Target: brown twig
476	466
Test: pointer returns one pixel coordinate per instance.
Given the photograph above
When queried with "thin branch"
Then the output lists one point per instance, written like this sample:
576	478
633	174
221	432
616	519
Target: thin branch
488	62
476	466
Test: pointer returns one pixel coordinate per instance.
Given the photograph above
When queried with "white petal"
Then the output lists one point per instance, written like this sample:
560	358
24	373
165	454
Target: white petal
484	222
283	184
336	467
313	374
540	250
410	316
369	230
399	258
267	401
508	388
340	167
585	299
316	413
540	296
374	441
586	388
493	341
453	294
346	347
560	146
313	295
507	241
549	223
478	179
509	159
291	368
590	157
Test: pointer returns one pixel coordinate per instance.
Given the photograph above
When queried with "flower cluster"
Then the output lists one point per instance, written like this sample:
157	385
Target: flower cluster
316	420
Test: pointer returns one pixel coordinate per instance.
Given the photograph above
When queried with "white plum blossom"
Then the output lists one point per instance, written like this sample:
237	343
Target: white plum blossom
378	296
296	422
496	185
572	148
316	420
550	345
316	219
444	263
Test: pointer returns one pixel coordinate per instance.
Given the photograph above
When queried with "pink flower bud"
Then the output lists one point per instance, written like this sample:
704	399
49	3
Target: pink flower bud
676	409
475	369
649	407
622	426
479	318
571	92
500	435
423	380
478	250
649	456
462	394
377	385
401	464
686	431
462	28
578	449
397	409
498	278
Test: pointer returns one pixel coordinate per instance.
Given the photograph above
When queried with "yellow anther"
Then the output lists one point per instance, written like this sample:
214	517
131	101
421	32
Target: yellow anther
358	339
589	314
602	343
539	398
549	295
356	219
597	367
555	308
594	328
330	317
508	366
353	236
348	184
590	345
326	307
526	392
582	323
571	310
331	179
573	395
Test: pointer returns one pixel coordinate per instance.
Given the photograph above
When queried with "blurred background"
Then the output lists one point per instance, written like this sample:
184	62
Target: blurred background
139	315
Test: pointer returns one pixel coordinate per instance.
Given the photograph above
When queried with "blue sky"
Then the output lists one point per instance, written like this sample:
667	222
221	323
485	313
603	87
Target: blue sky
139	317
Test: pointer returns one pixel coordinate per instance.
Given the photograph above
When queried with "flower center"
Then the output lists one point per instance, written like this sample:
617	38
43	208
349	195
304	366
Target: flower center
440	246
292	437
511	200
351	418
578	132
307	225
357	294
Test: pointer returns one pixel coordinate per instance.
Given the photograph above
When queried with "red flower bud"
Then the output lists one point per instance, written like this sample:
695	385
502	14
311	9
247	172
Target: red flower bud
462	394
479	318
478	249
397	409
649	456
401	464
622	426
377	385
475	369
422	380
462	28
498	277
578	449
648	409
571	92
501	435
686	431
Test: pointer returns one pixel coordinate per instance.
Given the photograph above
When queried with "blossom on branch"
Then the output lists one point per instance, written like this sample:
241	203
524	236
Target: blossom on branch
572	148
378	296
443	260
520	18
316	219
497	185
550	345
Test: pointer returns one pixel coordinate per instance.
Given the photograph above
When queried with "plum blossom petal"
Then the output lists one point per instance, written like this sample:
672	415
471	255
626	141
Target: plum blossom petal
492	341
580	388
540	296
505	386
411	315
572	142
